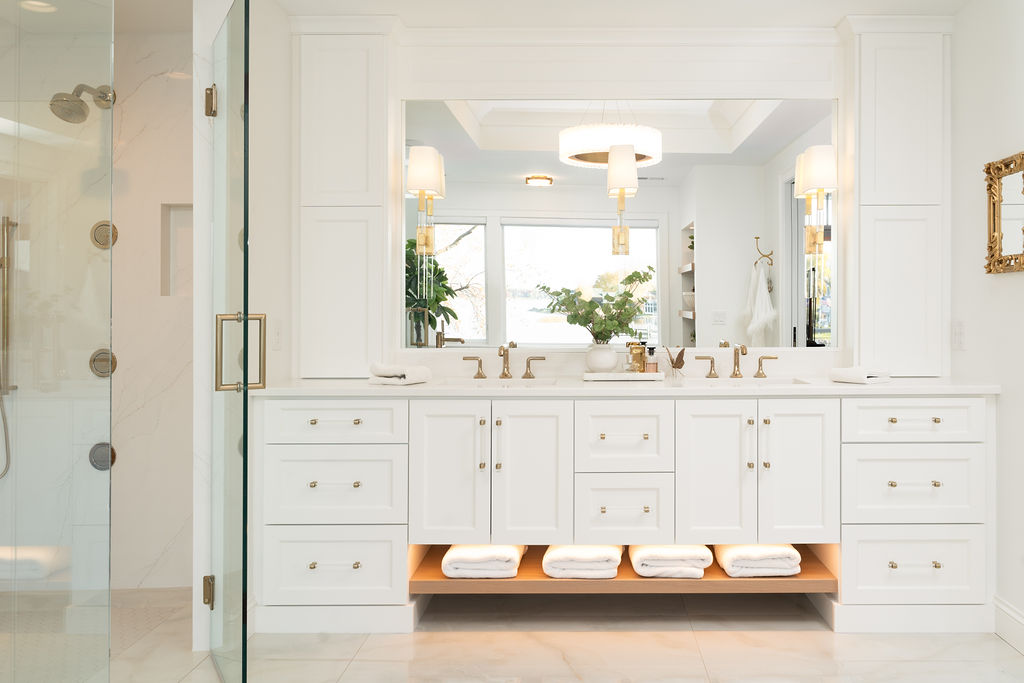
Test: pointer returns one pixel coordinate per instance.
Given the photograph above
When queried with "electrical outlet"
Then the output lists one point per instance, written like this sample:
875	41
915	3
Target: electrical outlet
959	332
718	317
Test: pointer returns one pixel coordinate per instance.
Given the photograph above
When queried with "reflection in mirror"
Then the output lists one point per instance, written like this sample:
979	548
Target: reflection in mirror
726	176
1012	214
1004	185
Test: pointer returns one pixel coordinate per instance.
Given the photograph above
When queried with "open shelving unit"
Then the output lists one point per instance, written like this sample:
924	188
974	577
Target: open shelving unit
428	579
687	283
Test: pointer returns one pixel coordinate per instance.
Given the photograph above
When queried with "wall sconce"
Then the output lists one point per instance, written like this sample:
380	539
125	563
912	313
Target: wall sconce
425	180
622	183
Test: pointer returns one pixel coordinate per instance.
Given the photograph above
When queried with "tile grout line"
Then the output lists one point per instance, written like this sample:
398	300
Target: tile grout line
696	641
193	669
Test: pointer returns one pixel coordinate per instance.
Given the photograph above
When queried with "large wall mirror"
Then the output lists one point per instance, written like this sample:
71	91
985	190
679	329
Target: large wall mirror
514	217
1004	180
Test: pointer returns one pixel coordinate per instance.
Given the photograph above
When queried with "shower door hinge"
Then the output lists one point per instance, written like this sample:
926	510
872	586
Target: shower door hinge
208	584
211	100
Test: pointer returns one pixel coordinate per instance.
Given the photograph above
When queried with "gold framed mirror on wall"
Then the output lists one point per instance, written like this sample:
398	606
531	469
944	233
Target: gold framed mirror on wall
1004	183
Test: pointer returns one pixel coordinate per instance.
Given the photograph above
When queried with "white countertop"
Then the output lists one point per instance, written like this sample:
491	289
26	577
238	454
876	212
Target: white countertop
575	387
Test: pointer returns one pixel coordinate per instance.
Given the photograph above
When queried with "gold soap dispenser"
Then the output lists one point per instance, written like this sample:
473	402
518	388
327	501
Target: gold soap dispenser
637	356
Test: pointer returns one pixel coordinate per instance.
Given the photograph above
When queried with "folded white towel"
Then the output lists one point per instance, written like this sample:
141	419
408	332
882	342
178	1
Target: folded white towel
582	561
670	561
399	375
33	562
482	561
758	560
858	375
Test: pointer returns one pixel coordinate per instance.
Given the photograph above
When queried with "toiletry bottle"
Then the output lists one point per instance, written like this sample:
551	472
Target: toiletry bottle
652	365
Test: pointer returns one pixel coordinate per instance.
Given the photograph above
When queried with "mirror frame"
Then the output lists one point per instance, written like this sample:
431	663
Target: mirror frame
995	171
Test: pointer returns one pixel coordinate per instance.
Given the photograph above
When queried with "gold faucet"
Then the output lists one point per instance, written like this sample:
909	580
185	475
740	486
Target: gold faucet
440	340
529	370
737	351
711	371
503	353
760	365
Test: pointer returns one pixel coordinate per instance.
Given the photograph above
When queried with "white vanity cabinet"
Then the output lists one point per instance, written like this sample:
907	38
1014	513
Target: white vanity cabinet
486	472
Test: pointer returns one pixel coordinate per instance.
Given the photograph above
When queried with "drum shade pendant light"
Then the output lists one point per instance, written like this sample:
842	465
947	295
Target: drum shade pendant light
425	181
587	145
622	183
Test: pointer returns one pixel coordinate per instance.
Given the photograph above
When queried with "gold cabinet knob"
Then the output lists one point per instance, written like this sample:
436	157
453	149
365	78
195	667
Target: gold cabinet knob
647	508
357	565
893	565
893	484
497	423
936	564
604	510
767	465
497	466
647	437
483	466
313	421
356	484
937	420
893	420
313	484
936	483
603	437
750	420
750	465
482	422
312	565
767	420
358	421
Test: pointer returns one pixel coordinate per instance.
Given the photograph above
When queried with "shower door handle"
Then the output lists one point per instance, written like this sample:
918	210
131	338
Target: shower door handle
218	373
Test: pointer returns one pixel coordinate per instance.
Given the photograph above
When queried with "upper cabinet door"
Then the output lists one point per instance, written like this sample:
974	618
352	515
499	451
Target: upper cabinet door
342	118
798	449
902	118
449	471
531	472
716	471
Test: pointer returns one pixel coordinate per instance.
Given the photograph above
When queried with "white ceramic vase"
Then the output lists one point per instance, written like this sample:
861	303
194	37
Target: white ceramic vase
601	358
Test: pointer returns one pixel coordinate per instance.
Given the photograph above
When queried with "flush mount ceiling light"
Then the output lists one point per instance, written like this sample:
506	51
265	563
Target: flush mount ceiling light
587	145
37	6
540	180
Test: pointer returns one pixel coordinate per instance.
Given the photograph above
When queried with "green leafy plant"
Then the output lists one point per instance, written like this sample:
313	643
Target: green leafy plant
441	291
606	316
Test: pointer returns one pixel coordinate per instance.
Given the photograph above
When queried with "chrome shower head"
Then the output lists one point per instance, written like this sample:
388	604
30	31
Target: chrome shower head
72	108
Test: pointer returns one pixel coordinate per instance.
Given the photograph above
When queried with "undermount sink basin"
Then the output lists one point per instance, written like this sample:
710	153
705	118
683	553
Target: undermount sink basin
741	381
496	383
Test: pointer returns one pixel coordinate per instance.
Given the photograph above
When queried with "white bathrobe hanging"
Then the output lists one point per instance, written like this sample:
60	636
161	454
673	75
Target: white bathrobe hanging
760	313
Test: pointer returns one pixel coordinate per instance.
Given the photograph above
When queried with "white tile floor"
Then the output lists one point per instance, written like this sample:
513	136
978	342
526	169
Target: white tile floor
583	638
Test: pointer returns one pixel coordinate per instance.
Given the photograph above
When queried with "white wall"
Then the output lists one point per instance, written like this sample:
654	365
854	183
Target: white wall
987	106
151	501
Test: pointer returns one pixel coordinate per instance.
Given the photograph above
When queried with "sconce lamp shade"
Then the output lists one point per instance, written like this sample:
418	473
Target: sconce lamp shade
622	171
798	180
425	173
819	169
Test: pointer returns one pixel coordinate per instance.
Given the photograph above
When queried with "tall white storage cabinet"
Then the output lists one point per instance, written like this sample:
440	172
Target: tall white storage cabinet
342	152
902	116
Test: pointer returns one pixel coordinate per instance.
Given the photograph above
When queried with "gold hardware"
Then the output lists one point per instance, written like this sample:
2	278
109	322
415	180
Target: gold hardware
482	422
604	510
893	484
768	256
497	423
936	484
647	437
760	366
210	106
937	420
358	421
767	465
893	420
893	565
103	235
750	465
312	565
209	590
737	351
723	343
767	420
996	261
750	420
313	484
483	465
497	466
936	564
357	565
529	370
103	362
356	484
503	353
218	375
711	371
603	437
440	339
479	366
647	508
314	421
7	227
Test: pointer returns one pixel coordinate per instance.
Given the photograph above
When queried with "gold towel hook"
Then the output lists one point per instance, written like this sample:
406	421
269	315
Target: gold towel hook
757	245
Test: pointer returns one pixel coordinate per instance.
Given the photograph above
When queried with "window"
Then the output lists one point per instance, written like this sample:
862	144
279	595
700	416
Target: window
461	252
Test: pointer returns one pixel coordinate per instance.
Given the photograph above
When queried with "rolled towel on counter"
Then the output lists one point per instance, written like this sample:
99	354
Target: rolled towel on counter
482	561
758	560
858	375
670	561
582	561
398	375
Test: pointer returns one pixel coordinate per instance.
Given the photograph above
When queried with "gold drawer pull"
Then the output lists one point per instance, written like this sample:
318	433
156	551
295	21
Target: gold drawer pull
358	421
313	421
893	420
647	437
603	437
497	423
767	465
604	510
357	565
647	508
937	420
936	484
312	565
483	466
936	564
497	466
767	420
750	465
313	484
482	422
893	565
750	420
893	484
356	484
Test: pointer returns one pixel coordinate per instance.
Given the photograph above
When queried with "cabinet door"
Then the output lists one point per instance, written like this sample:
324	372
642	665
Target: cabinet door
798	491
449	471
342	118
716	471
531	472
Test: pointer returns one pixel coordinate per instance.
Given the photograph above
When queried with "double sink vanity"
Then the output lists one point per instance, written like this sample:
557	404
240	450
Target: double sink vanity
885	489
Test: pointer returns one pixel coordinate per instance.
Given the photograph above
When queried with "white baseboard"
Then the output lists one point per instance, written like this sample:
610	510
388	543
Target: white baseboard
904	618
338	618
1009	623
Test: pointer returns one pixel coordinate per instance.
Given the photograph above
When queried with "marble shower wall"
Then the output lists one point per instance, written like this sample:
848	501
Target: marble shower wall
151	497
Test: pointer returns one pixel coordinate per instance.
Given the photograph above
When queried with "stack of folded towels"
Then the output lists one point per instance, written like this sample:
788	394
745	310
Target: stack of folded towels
670	561
482	561
582	561
758	560
398	374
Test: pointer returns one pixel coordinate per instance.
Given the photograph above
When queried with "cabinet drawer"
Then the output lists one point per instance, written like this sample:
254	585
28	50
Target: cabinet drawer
336	484
624	508
913	564
624	436
334	565
907	483
913	419
331	421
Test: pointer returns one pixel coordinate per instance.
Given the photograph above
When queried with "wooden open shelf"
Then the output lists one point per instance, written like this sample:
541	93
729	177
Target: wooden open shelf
689	315
428	579
686	268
